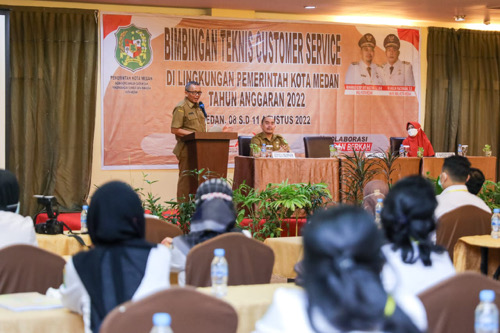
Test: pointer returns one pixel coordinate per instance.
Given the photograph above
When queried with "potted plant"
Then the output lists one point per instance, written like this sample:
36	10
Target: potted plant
255	150
420	152
487	150
356	171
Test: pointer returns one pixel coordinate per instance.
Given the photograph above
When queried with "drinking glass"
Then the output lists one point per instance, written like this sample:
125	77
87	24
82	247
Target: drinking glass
464	150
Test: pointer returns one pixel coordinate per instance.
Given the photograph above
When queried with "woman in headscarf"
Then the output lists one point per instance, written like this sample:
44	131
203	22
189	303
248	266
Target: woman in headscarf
342	287
373	190
122	266
214	215
416	139
16	229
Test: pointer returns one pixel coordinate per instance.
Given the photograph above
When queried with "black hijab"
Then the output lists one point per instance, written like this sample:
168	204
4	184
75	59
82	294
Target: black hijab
114	269
214	215
9	191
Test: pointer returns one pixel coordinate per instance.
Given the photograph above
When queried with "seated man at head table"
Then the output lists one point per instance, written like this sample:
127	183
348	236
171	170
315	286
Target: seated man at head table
454	175
268	137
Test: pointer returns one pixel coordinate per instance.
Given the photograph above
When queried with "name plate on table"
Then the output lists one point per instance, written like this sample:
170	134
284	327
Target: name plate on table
444	155
374	155
279	154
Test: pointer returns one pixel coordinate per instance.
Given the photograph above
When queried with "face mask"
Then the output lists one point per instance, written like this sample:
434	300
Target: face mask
412	131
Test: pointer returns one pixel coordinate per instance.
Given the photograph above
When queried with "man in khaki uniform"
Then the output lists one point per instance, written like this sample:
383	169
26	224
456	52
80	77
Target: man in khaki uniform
187	118
268	137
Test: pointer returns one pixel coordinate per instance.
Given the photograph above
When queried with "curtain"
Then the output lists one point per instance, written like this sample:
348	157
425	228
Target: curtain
463	95
53	97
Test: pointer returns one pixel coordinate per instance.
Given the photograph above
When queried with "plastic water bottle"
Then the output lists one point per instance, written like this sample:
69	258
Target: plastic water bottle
263	150
83	219
378	211
333	151
219	272
161	323
495	223
401	151
459	150
486	314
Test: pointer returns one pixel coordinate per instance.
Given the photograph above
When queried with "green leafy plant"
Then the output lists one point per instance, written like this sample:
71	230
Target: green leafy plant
180	213
150	201
435	181
386	165
356	171
490	194
255	149
420	152
486	148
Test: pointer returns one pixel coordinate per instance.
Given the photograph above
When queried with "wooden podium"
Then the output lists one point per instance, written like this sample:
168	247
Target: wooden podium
208	151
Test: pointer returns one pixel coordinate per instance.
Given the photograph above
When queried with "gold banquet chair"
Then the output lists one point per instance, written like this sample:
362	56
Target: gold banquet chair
191	311
450	304
26	268
157	230
249	261
463	221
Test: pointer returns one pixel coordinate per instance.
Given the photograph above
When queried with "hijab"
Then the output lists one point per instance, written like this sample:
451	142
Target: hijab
213	216
114	269
9	191
419	140
370	196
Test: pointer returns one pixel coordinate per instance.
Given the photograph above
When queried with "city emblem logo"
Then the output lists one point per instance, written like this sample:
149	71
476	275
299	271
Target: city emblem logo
133	48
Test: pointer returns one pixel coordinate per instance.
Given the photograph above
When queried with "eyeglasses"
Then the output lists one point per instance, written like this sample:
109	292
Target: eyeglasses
194	92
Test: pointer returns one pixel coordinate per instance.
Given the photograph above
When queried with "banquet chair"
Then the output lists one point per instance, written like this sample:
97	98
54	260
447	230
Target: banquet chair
249	261
395	143
244	145
450	304
26	268
317	146
191	311
157	230
463	221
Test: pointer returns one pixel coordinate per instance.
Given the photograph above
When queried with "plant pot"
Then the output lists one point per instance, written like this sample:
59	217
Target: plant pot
488	153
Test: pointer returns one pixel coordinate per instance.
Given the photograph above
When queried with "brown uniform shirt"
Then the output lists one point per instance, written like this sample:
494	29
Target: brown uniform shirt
276	141
187	115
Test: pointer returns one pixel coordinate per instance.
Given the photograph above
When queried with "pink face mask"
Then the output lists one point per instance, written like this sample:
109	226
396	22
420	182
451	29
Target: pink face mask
412	132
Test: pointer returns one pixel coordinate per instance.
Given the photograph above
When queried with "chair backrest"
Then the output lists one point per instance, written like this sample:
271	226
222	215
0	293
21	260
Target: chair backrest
191	311
26	268
157	230
463	221
249	261
244	145
395	143
317	146
450	304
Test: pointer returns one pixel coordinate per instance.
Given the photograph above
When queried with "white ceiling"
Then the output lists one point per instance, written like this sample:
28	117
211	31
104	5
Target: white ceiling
441	11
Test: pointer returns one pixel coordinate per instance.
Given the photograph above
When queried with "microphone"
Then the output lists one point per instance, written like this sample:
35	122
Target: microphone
202	107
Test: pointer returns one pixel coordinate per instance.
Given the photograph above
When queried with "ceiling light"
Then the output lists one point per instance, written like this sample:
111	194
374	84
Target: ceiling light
310	7
459	18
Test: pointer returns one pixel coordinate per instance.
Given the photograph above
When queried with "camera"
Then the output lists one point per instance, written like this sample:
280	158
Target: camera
52	226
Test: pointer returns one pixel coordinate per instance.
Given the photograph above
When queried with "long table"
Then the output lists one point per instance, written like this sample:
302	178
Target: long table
287	252
258	172
62	244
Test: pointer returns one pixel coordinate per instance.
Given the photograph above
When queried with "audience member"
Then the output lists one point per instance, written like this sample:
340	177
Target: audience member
122	266
214	215
342	291
414	262
373	190
417	139
453	177
268	137
475	182
16	229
